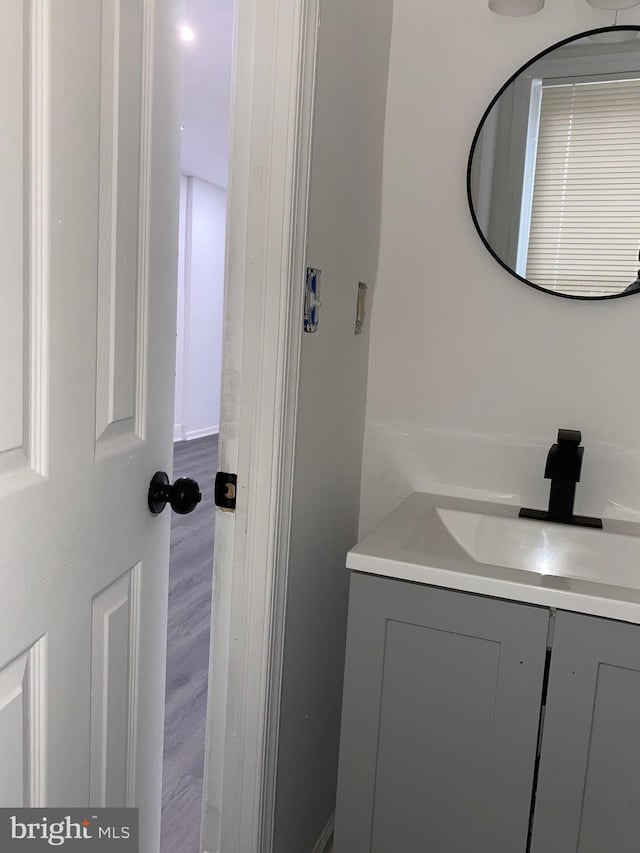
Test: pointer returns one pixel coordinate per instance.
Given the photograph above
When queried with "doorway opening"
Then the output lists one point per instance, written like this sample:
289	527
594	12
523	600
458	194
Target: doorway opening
206	33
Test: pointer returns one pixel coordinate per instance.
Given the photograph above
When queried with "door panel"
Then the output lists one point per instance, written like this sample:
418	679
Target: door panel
20	245
22	727
14	43
440	720
431	680
120	289
114	690
89	221
588	796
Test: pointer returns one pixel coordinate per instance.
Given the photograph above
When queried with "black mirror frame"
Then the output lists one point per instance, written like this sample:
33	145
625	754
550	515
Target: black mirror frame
498	95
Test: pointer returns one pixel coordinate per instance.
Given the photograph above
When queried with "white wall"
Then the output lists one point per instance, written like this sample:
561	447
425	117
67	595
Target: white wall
343	241
200	308
472	372
180	328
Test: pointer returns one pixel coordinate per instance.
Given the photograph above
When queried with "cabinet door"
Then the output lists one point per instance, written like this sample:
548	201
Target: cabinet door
588	794
440	720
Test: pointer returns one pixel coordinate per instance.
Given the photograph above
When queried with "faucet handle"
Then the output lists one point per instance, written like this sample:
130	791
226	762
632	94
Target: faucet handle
567	437
564	460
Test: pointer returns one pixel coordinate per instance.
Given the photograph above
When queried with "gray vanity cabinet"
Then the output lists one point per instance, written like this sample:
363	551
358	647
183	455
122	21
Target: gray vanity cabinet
588	792
442	704
440	720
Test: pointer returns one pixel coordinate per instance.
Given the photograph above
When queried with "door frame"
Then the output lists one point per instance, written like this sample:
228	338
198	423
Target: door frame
275	51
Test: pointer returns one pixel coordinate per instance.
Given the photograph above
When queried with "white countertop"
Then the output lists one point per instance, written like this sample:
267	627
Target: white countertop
415	543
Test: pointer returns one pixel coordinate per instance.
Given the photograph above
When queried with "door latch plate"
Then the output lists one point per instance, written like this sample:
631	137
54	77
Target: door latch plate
225	491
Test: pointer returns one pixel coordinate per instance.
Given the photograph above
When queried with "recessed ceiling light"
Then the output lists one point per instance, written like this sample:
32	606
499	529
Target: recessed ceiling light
186	33
516	8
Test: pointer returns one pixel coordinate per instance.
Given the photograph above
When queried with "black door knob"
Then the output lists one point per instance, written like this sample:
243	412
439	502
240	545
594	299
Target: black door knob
184	496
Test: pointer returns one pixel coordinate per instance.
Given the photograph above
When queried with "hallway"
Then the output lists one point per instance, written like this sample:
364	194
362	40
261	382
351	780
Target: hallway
190	581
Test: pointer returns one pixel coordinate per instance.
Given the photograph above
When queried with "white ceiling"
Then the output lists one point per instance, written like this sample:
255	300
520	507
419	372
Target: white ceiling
207	90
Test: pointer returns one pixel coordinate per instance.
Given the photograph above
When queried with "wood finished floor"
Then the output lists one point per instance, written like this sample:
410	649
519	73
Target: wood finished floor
190	577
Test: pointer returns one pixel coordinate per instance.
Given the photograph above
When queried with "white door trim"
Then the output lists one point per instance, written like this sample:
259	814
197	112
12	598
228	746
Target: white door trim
289	411
269	181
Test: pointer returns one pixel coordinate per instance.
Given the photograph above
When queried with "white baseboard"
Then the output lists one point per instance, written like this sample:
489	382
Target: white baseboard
178	432
327	833
190	434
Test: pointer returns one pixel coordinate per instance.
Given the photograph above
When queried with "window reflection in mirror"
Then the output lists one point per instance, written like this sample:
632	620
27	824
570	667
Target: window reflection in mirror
554	173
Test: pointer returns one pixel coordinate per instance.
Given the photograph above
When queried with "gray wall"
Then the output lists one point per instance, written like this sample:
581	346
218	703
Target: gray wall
344	224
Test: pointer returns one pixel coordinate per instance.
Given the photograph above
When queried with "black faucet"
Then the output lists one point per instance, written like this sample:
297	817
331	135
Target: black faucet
564	462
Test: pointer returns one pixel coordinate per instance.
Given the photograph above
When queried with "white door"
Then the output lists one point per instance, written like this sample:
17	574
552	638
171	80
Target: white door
89	165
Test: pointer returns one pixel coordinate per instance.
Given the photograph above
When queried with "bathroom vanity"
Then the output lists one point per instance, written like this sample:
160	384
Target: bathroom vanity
492	685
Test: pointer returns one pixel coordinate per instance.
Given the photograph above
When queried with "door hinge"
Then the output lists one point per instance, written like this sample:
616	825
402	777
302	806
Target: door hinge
225	491
312	300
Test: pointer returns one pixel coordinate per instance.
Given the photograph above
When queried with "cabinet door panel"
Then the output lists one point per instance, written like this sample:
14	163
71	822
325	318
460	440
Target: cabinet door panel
440	720
588	797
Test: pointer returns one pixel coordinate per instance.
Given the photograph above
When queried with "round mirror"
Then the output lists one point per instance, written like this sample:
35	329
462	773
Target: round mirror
554	171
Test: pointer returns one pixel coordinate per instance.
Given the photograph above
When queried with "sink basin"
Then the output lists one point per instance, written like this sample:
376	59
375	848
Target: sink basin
485	548
549	549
